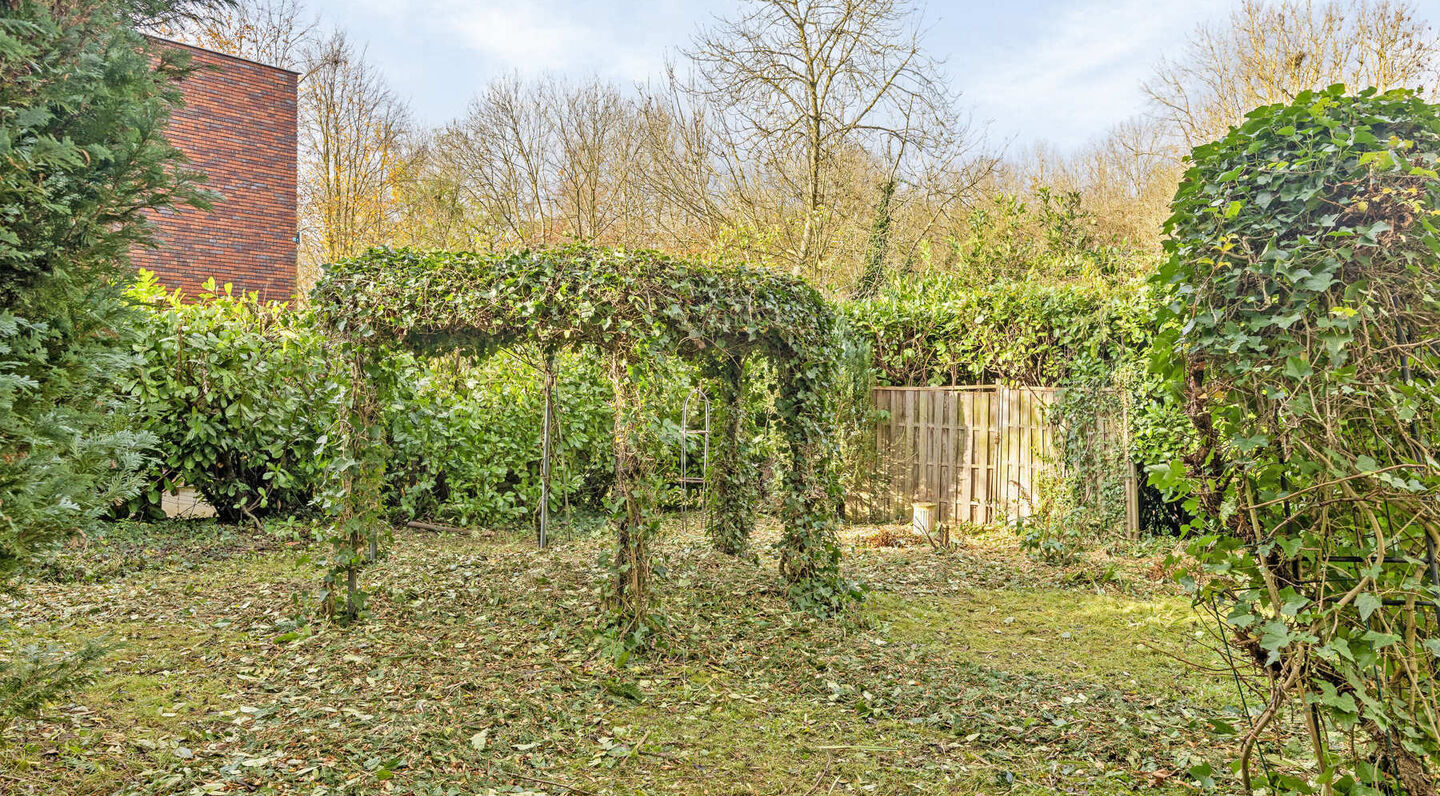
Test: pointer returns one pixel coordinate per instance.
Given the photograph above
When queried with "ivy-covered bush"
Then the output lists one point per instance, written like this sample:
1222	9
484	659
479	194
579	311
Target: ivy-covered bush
244	398
1302	317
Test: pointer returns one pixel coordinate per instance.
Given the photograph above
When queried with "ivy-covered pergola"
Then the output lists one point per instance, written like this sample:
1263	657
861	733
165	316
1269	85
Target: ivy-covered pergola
634	307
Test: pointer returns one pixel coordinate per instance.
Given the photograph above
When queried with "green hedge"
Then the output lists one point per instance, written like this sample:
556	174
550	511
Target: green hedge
936	330
465	439
242	397
239	394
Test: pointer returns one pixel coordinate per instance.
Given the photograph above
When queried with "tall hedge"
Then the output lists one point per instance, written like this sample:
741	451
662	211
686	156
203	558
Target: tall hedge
938	330
243	398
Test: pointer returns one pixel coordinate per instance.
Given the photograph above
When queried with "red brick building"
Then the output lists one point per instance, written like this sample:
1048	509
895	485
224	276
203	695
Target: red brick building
238	126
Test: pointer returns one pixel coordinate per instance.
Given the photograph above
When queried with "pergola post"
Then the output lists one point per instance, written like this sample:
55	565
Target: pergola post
630	516
809	550
547	432
732	476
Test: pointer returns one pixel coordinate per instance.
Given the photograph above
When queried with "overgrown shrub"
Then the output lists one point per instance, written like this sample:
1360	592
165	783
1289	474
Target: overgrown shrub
243	397
81	114
1303	315
1047	238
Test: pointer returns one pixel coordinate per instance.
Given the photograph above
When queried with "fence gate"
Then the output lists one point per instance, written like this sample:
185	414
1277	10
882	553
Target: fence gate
978	453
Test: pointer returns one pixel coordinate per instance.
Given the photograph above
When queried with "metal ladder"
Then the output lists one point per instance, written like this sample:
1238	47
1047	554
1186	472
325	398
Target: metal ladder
686	433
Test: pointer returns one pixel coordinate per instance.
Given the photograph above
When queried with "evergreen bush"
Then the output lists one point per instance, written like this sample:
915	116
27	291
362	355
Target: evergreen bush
1302	317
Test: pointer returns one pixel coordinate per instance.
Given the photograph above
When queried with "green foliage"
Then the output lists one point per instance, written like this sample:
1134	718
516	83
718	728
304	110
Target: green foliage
66	453
1091	340
1302	313
353	493
635	306
81	115
465	437
1049	240
1028	295
936	330
33	676
872	272
734	478
239	394
855	413
243	397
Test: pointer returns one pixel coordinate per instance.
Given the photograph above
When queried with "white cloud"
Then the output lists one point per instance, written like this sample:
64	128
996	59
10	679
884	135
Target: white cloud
519	35
1081	71
619	40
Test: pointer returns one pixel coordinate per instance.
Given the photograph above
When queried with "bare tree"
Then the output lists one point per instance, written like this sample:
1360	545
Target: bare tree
352	131
793	88
428	192
1125	180
541	161
598	138
504	147
1268	53
777	146
269	31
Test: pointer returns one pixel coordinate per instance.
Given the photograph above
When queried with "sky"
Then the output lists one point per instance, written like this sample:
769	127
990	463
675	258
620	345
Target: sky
1029	71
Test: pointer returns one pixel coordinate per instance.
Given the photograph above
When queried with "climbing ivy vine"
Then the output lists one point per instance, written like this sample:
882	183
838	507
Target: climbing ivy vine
637	307
1303	311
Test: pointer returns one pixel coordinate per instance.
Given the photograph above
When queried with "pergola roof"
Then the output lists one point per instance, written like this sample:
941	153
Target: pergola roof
569	296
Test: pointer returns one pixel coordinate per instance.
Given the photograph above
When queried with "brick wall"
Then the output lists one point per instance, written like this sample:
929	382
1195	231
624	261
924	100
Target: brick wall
238	127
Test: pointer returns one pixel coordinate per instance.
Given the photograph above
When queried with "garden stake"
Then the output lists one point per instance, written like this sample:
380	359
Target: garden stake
546	423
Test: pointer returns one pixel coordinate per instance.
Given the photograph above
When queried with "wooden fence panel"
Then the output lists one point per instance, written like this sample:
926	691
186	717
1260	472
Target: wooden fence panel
979	453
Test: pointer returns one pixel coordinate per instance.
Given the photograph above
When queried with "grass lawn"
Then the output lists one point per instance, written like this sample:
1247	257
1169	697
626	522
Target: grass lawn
973	671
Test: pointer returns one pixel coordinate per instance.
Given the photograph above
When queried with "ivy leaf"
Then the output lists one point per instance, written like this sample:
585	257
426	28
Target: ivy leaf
1337	646
1276	636
1297	368
1367	604
1432	645
1293	602
1379	641
1286	321
1203	775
